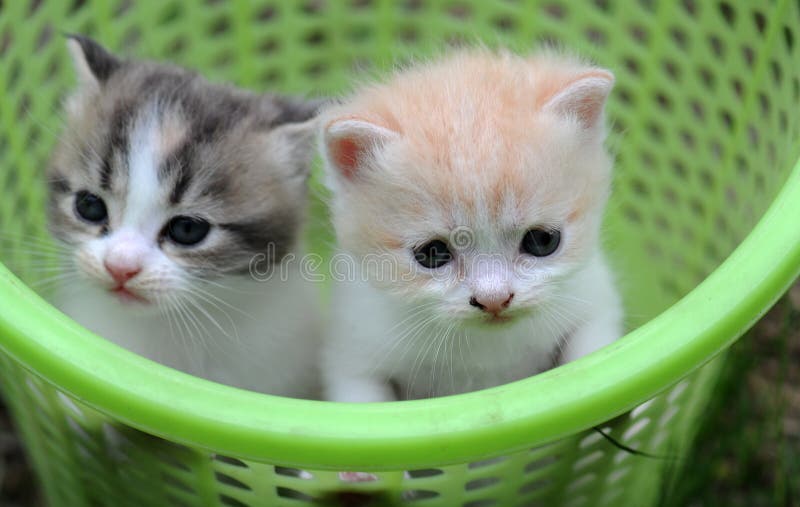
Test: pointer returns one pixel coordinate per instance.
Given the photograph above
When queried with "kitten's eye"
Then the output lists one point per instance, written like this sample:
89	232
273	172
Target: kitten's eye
540	242
90	207
433	254
187	231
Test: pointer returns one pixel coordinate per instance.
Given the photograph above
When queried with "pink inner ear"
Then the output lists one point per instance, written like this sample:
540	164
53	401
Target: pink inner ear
345	153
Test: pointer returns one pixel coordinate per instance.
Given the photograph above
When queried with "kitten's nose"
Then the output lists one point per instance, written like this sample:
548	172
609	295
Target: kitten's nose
122	272
493	303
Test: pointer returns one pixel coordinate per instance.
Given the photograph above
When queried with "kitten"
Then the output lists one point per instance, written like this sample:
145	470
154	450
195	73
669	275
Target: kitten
468	195
166	188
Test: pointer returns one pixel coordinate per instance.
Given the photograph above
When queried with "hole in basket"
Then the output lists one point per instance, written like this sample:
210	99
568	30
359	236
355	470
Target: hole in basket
315	38
669	195
639	187
589	440
271	76
316	69
269	45
777	72
293	472
738	87
763	102
677	391
536	485
486	502
632	214
505	23
671	69
748	55
176	47
639	409
727	12
540	463
459	10
698	110
408	34
688	139
230	461
231	502
596	36
219	26
285	492
483	482
556	11
424	472
487	462
753	136
690	6
632	66
412	5
266	13
313	7
707	77
176	483
361	4
587	460
788	38
171	460
170	14
639	34
581	482
679	36
415	495
716	46
230	481
636	428
616	475
760	21
603	5
624	95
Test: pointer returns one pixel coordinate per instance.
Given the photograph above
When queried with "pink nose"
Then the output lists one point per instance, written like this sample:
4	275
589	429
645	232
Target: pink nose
121	273
494	303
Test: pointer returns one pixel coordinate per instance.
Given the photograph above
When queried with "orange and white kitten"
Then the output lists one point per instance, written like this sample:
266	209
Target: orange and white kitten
468	194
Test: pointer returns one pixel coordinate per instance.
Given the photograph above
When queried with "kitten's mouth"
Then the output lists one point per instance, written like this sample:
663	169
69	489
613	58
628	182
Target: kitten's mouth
127	296
499	319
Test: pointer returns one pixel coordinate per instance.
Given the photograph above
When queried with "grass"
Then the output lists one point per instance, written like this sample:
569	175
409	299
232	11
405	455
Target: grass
748	451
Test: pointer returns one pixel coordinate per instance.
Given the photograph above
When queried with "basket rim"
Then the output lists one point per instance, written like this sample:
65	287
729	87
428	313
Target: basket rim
453	429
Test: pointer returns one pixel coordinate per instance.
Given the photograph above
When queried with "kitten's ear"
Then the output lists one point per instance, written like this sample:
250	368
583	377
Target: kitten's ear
296	140
296	109
584	98
93	64
349	141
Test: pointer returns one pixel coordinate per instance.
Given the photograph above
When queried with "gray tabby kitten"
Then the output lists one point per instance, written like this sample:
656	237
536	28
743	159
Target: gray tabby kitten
165	188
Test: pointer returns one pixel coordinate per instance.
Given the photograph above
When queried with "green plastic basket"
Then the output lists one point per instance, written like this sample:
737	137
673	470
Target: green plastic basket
702	228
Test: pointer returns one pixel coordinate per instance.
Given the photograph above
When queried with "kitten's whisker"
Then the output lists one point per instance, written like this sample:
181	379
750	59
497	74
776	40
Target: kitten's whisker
213	321
418	363
203	297
400	339
221	301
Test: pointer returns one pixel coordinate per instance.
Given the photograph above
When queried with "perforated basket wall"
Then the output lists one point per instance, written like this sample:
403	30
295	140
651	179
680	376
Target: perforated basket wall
705	121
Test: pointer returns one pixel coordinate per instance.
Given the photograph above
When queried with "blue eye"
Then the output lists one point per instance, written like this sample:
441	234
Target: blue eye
433	254
90	207
540	242
187	231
